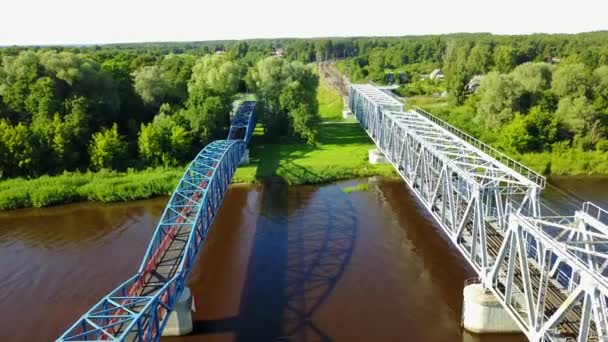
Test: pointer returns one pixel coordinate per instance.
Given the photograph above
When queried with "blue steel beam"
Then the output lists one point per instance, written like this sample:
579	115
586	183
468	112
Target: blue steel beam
138	308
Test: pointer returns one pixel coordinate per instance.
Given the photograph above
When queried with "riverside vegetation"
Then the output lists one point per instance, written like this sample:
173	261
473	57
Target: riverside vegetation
120	122
340	152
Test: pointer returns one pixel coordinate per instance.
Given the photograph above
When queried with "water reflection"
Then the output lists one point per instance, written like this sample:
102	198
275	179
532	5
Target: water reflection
303	243
280	264
57	262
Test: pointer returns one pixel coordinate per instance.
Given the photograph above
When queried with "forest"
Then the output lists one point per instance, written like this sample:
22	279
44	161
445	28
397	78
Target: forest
67	109
128	107
541	98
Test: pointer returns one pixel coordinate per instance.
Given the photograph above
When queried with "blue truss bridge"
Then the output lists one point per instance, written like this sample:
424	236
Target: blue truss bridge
138	309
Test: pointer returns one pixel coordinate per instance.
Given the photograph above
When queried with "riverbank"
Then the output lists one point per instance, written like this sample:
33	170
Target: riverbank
340	153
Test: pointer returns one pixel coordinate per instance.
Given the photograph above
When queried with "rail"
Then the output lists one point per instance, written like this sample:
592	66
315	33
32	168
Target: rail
487	149
596	212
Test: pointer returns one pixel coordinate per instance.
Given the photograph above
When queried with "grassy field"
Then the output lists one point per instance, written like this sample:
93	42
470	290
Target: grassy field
330	102
104	186
340	153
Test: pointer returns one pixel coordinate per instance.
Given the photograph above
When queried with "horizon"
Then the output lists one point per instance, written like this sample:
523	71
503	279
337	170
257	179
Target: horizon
77	44
69	22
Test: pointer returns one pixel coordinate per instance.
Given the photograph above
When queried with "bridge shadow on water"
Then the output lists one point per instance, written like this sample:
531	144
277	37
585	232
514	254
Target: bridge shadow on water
303	244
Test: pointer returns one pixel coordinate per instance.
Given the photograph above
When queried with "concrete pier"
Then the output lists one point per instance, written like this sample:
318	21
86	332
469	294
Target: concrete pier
376	157
245	158
483	313
180	320
347	113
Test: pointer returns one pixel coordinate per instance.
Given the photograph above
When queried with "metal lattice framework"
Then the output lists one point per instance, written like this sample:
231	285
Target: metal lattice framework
491	213
138	308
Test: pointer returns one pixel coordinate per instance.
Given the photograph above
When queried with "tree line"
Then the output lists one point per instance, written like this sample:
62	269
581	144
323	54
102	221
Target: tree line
118	107
156	104
537	93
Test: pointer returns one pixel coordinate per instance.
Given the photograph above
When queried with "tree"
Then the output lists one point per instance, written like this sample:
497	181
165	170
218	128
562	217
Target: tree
576	114
164	142
514	136
456	74
286	93
504	58
17	75
107	149
177	70
600	88
571	80
534	77
41	101
215	80
480	59
151	85
498	100
18	150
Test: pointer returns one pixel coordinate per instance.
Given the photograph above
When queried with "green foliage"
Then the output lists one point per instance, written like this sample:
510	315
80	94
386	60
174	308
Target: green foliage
151	84
498	100
576	114
571	80
214	81
107	149
504	58
287	95
164	142
534	77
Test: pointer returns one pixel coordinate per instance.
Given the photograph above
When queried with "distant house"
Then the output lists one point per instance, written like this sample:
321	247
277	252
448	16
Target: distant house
219	52
278	52
389	78
473	83
552	60
436	74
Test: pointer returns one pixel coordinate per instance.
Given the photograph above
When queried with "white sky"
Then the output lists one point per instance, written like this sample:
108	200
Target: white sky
109	21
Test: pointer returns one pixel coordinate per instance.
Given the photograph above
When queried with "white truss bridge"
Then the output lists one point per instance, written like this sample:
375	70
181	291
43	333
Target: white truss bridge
549	272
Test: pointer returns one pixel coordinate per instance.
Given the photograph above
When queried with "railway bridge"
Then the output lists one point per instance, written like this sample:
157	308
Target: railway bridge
548	274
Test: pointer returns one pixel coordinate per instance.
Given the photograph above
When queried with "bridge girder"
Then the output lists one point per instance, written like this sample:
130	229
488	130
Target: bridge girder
489	207
138	309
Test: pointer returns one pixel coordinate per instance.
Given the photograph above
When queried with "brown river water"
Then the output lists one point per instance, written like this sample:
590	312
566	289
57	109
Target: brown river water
308	263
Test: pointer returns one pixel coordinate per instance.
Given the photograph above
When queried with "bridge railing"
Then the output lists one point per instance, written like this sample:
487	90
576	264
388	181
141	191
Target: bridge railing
596	212
487	149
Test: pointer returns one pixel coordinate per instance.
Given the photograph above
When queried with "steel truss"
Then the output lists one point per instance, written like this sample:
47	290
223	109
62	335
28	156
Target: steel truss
486	209
138	308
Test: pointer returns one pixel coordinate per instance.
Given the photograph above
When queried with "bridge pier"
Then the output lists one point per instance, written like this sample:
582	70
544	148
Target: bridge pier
376	157
347	113
245	158
482	312
180	320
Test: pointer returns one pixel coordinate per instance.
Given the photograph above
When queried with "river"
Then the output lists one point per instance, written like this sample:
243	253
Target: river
308	263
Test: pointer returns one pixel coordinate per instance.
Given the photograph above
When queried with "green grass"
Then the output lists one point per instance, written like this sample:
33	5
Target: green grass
331	104
103	186
355	188
571	162
341	153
